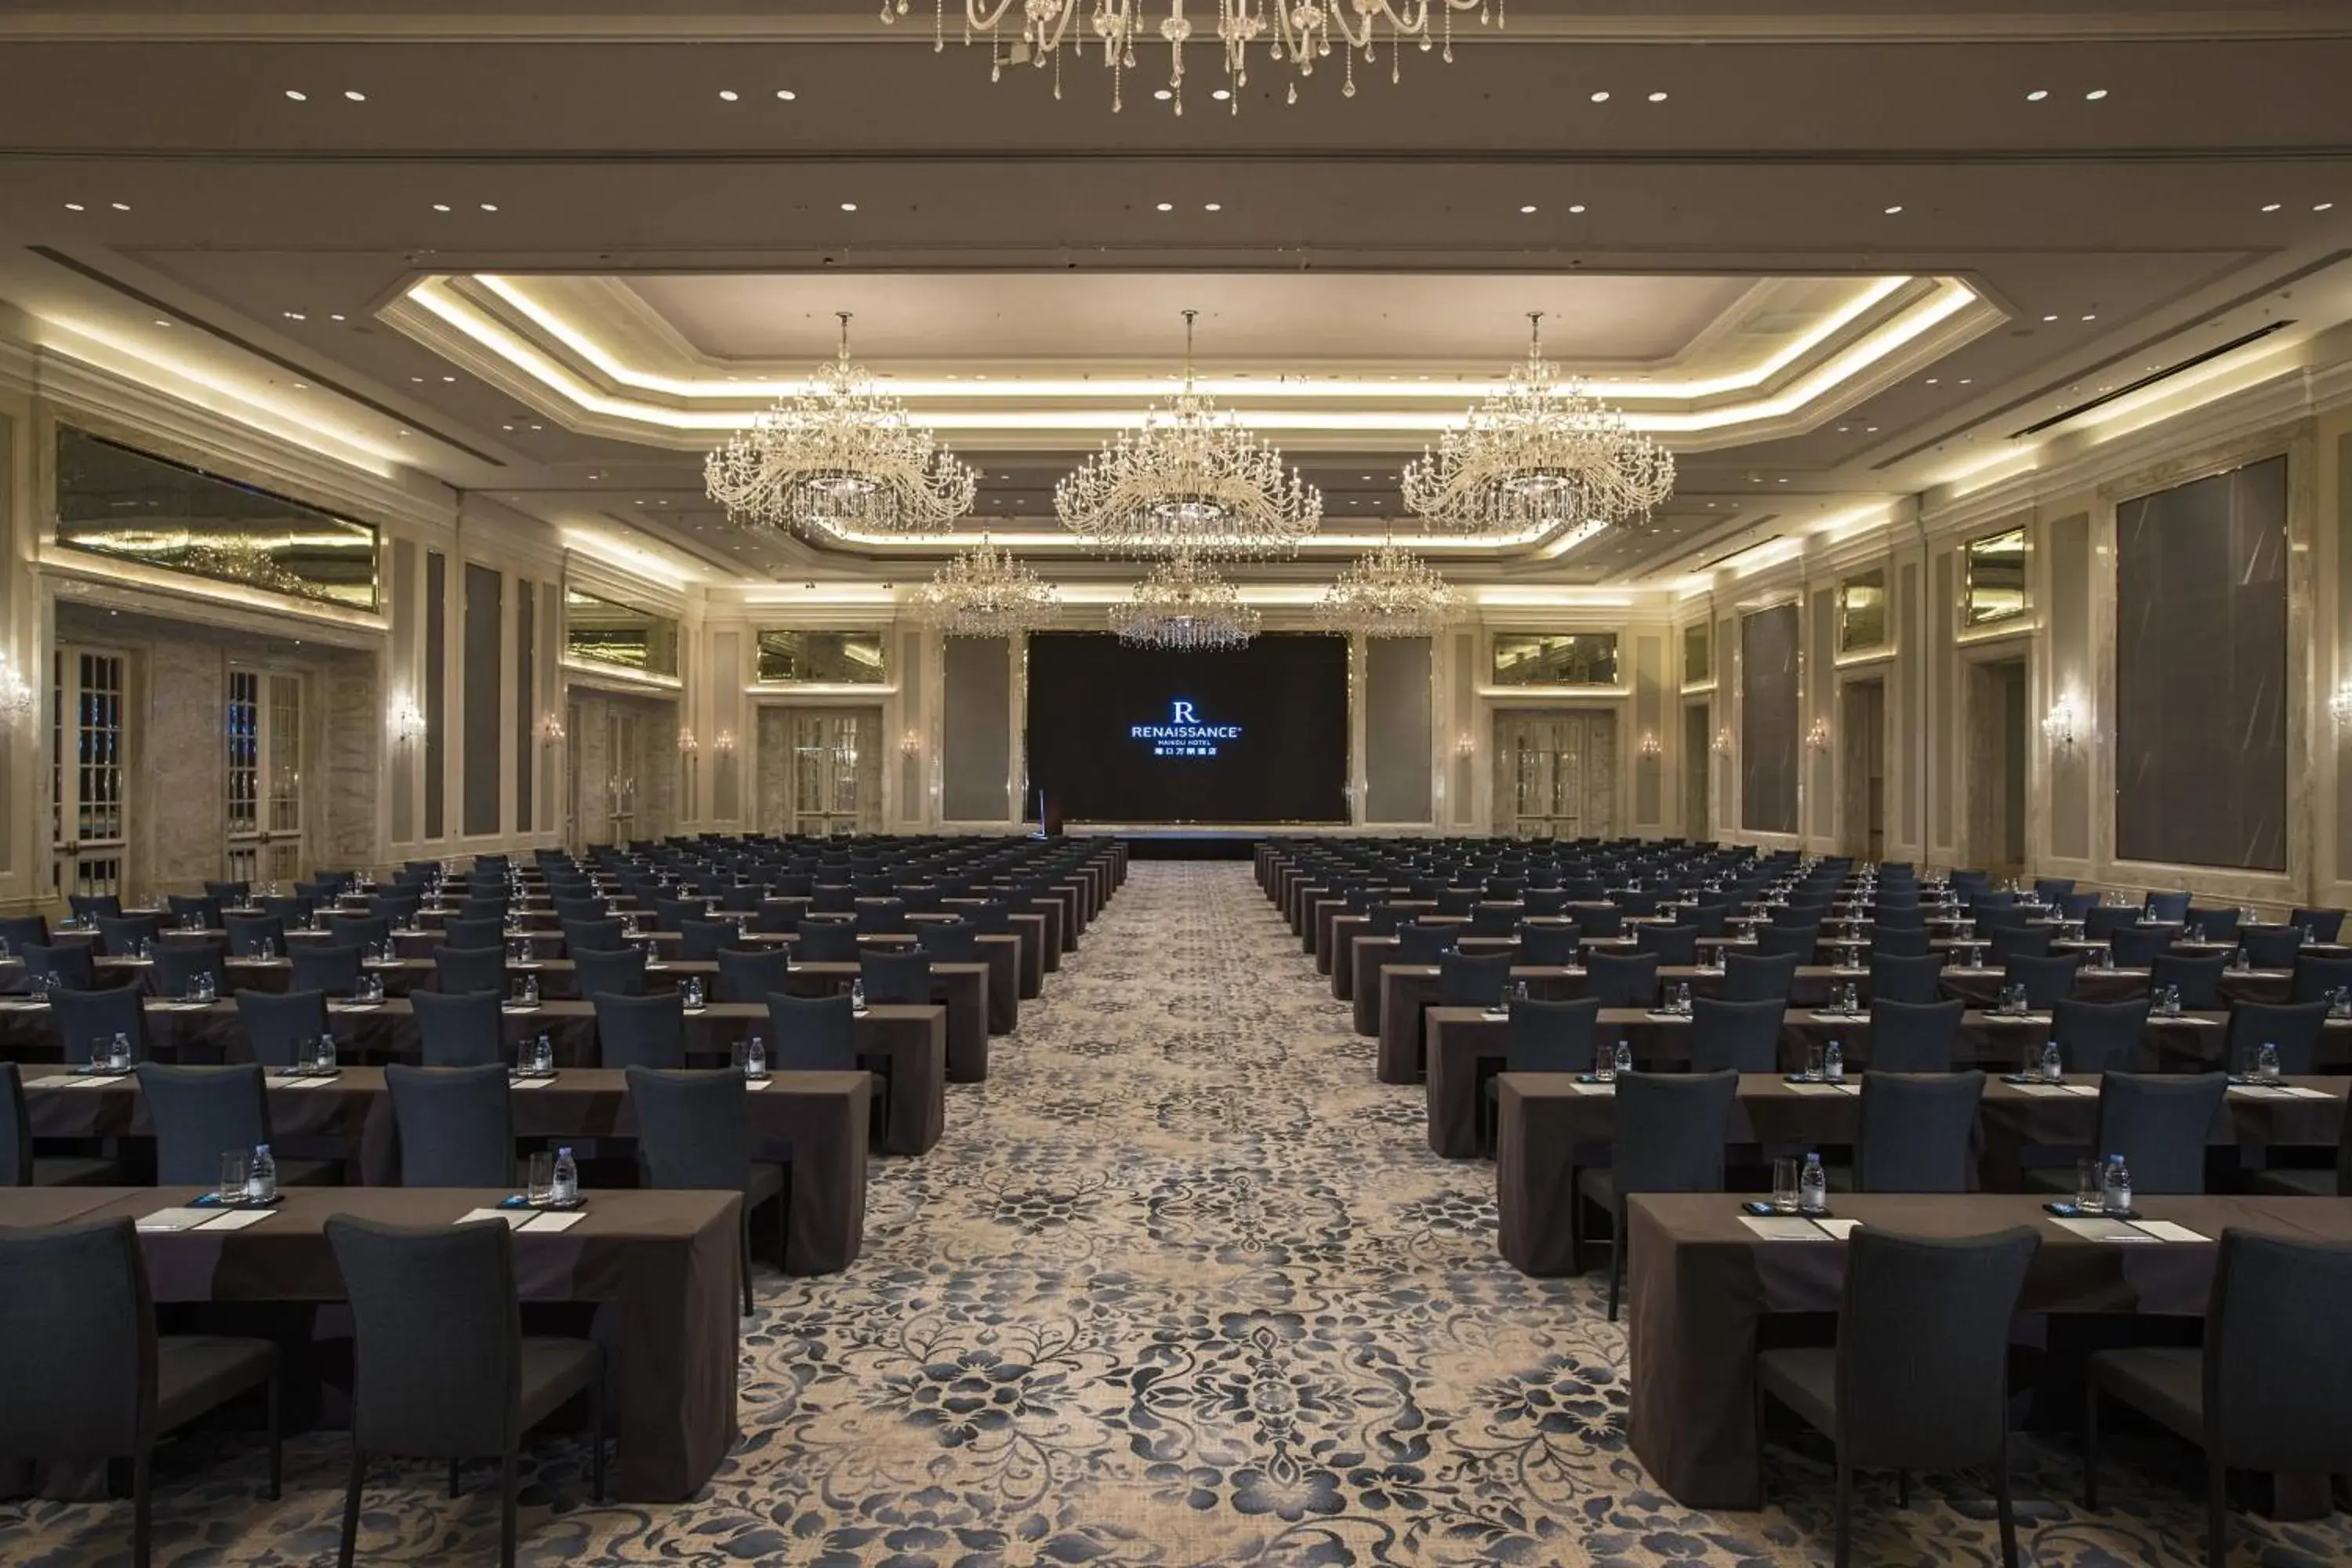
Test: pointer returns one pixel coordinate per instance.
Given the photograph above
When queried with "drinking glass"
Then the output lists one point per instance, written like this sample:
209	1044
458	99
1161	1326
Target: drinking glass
235	1166
1604	1062
2089	1186
1784	1186
101	1052
739	1055
540	1184
1813	1075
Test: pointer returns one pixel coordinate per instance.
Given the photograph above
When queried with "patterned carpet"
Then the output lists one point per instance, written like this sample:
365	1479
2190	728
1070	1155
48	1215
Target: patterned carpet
1182	1285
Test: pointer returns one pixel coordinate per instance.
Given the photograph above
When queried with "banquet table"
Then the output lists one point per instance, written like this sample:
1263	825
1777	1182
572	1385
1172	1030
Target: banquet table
1699	1283
660	1266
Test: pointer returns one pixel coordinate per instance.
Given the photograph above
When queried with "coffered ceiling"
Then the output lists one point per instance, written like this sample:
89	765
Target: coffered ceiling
540	255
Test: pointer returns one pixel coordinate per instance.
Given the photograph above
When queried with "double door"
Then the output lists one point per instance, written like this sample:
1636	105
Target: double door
266	779
821	771
90	831
1556	773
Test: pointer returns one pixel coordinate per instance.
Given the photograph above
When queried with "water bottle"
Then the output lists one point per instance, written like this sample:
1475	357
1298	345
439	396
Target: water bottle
2240	961
1624	1056
857	995
1683	997
1848	999
324	1061
2167	1002
694	990
1834	1063
2266	1063
118	1053
755	1058
1813	1186
261	1178
2114	1186
2053	1063
2339	1002
566	1188
542	1055
201	987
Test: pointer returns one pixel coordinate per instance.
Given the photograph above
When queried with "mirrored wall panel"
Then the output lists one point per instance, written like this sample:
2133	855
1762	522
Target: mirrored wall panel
1862	611
1995	578
852	658
1698	654
604	631
113	501
1546	659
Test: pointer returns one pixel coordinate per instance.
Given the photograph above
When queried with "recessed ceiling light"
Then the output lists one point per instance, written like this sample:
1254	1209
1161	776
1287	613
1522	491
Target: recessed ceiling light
788	95
489	207
1870	429
1601	97
301	387
1577	208
1657	98
74	207
1933	380
1168	206
2091	317
1893	210
1527	209
420	380
506	426
334	318
295	316
727	95
1221	95
1213	207
450	379
2049	318
2272	206
849	207
2095	94
2321	206
440	206
1163	95
120	207
1968	381
2037	95
355	95
298	94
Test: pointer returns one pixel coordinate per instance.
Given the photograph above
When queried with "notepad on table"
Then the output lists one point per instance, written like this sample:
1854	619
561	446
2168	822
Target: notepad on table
176	1219
2167	1230
545	1224
2100	1230
515	1218
237	1219
1784	1227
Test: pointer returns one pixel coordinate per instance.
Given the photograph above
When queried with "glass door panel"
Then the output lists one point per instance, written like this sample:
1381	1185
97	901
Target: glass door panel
89	835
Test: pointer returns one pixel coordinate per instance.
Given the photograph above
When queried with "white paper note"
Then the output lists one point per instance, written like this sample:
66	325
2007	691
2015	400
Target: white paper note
237	1219
175	1219
541	1224
2103	1230
515	1218
1784	1227
1839	1229
1596	1088
522	1083
755	1085
2167	1230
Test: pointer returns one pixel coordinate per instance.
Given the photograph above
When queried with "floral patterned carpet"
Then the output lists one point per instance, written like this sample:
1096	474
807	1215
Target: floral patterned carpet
1182	1285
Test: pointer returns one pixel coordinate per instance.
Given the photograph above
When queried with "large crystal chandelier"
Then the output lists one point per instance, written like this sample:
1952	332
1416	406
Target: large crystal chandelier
1540	455
842	456
985	592
1190	482
1390	593
1185	605
1296	32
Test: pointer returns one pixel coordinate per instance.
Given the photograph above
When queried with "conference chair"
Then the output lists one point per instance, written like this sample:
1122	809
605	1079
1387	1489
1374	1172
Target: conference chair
751	974
699	941
88	1379
1747	977
1918	1133
641	1031
282	1030
255	936
363	932
66	963
1906	979
80	1018
1675	946
2047	980
458	1028
19	1167
1548	946
2099	1036
455	1125
334	969
827	941
1670	1130
1919	1378
2168	907
2325	924
2138	947
2271	947
2317	979
205	911
18	932
200	1114
2198	978
122	936
1418	944
1798	942
693	1133
881	916
2157	1123
2211	924
1736	1036
440	1367
2005	944
460	970
2101	923
901	978
619	972
600	936
1913	1036
2266	1391
1623	979
812	1034
1473	980
180	964
2293	1027
1543	1035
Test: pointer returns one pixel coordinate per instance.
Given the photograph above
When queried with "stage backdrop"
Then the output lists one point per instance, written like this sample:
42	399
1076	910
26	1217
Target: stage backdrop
1140	735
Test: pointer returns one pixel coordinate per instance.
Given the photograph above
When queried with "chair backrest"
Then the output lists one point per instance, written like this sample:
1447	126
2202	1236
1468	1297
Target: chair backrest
1623	979
458	1028
989	917
699	940
437	1349
2277	1362
201	1113
948	941
180	961
334	969
882	915
1601	919
597	936
1913	1036
15	1130
205	910
80	1379
1918	1131
1923	1347
79	1017
2325	924
812	1033
466	934
65	964
1900	941
1551	1036
2213	925
751	974
1547	945
2047	980
671	914
455	1125
896	977
2168	906
827	941
1673	945
2136	946
2199	979
458	970
2271	947
119	935
1670	1129
1801	940
2292	1027
2099	1036
691	1128
248	933
1739	1036
284	1029
1493	920
1751	977
18	931
2005	944
621	971
360	930
1419	943
2316	978
1473	980
2158	1123
641	1031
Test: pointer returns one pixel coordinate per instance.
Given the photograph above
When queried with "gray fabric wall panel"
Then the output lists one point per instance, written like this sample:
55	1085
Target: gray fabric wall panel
1941	700
976	731
727	713
2201	672
1768	712
481	688
1465	713
526	716
1819	699
910	707
2070	668
404	666
1649	719
437	680
1904	763
1397	737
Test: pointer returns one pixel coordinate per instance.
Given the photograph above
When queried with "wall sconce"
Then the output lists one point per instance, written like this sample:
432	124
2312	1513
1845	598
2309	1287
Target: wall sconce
687	744
407	722
2058	724
18	701
1721	744
1464	746
725	743
911	744
551	729
2339	703
1817	738
1651	746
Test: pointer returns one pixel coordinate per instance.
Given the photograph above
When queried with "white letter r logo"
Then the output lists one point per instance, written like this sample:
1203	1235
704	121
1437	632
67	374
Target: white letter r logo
1183	714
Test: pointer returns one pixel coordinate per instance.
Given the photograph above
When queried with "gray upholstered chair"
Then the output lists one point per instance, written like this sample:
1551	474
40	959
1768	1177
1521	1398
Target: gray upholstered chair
641	1031
616	971
455	1125
458	1028
2099	1036
458	971
282	1030
692	1132
1913	1036
812	1033
1670	1135
751	974
1738	1037
1918	1133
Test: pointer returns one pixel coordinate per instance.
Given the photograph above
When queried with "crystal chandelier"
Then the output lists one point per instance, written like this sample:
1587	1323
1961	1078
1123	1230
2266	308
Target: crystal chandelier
1390	593
985	592
1540	455
1299	32
1190	482
1184	605
840	457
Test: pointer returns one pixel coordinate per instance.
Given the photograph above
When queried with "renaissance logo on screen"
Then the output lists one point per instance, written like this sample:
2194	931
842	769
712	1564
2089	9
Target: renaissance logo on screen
1184	735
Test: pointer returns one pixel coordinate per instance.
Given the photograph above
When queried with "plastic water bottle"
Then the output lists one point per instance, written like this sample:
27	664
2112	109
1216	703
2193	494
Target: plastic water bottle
755	1058
566	1189
1624	1056
1682	996
1834	1063
857	995
694	990
2266	1063
2053	1063
261	1177
118	1053
2114	1186
1813	1186
530	990
542	1055
324	1060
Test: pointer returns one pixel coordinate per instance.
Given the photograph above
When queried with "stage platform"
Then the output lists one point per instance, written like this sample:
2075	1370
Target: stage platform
1236	841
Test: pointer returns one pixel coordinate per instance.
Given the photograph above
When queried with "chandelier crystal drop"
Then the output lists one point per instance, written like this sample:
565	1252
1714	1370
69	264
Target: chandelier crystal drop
1184	605
840	458
1299	34
19	703
986	593
1390	593
1190	482
1540	455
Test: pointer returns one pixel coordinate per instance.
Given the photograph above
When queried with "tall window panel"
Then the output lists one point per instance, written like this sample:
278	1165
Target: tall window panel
2201	672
